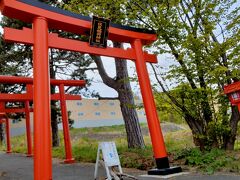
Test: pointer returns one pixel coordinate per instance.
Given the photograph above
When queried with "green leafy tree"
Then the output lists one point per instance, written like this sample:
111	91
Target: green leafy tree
166	110
202	38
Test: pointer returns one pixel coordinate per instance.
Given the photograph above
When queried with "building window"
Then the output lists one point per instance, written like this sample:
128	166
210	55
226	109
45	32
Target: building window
80	114
97	113
111	103
113	113
79	103
96	104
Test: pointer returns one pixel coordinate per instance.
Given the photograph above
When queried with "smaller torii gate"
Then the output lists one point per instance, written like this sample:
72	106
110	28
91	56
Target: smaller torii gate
25	110
28	96
4	120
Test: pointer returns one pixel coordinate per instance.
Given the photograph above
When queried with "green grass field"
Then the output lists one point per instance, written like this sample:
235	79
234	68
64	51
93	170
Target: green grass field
179	145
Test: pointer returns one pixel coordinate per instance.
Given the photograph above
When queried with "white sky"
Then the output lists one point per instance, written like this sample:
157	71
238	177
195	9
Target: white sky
104	90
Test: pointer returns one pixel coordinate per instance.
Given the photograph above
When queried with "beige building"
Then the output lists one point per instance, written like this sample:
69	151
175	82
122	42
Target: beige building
101	112
87	113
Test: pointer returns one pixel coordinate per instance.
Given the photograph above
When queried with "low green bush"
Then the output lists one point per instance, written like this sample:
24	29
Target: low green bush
209	161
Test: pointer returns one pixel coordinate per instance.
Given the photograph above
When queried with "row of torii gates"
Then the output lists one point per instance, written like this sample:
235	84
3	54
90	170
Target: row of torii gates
44	17
26	98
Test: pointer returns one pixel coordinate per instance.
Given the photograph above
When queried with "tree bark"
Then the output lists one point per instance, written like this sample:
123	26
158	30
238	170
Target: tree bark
54	120
54	124
132	126
229	140
122	85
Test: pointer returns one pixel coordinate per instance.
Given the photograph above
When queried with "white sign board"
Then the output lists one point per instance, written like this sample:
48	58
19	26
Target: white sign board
110	158
110	155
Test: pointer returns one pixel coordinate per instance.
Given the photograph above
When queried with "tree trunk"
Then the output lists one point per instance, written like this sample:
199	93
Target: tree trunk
122	85
54	120
197	130
54	124
132	126
229	140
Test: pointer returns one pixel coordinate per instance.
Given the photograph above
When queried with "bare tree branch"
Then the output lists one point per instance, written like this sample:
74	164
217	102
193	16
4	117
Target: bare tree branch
106	79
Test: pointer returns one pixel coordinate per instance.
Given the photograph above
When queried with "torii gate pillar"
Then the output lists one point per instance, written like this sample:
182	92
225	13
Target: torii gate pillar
7	129
41	97
28	129
158	145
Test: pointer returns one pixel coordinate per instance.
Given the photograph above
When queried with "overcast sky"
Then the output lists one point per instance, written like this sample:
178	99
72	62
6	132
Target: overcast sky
109	65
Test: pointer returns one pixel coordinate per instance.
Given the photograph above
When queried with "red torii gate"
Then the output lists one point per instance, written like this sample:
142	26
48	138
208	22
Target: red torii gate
25	110
43	17
28	96
4	119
